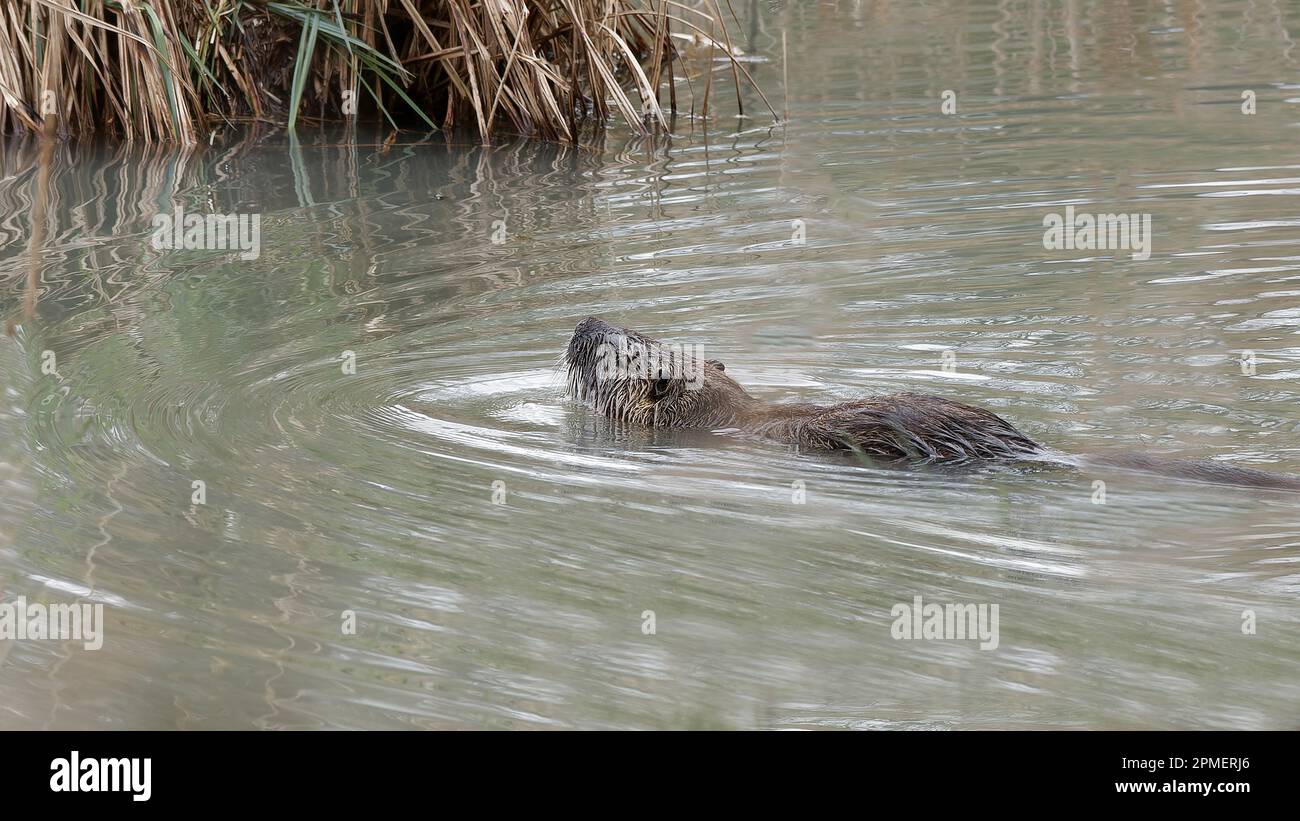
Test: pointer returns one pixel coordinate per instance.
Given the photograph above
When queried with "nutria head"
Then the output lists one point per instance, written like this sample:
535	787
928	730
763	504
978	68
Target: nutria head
630	377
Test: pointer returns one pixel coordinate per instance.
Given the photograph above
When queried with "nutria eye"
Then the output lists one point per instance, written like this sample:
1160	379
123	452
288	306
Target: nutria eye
659	388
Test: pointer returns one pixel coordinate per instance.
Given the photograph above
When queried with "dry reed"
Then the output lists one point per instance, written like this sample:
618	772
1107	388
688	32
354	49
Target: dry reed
171	70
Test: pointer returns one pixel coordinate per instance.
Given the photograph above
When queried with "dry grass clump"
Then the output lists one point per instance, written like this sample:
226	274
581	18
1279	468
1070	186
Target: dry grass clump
170	70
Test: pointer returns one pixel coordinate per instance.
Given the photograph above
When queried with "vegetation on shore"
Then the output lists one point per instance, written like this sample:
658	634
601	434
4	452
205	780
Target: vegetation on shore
171	70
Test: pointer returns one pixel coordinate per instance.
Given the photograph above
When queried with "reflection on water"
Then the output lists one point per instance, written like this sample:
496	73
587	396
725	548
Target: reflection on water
921	267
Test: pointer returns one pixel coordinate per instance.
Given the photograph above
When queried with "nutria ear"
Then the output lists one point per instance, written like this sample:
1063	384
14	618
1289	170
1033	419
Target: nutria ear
717	363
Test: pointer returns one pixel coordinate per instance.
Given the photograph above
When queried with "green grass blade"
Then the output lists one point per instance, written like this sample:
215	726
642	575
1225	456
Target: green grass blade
301	68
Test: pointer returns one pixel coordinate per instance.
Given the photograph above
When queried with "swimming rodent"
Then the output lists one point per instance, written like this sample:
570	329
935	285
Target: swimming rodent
633	378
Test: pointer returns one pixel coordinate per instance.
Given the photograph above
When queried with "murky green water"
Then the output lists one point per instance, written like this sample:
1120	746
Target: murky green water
373	492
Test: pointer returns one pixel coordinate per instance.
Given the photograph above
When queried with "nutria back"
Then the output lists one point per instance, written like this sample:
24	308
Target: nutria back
896	427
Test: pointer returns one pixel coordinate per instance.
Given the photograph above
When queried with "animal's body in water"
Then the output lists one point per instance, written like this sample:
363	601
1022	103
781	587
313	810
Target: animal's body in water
636	379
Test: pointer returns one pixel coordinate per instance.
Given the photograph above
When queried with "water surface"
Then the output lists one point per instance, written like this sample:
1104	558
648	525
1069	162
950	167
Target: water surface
501	549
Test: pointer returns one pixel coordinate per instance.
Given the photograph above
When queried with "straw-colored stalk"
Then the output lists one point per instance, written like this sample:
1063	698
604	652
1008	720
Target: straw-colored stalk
171	70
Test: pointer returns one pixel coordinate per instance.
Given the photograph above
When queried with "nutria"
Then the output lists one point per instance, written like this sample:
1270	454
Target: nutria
632	378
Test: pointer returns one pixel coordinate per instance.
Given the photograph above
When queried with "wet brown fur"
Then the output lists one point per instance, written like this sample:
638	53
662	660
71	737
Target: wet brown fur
682	391
632	378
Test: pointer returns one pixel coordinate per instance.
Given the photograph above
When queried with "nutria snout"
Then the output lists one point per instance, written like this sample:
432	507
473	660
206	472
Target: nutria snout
633	378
